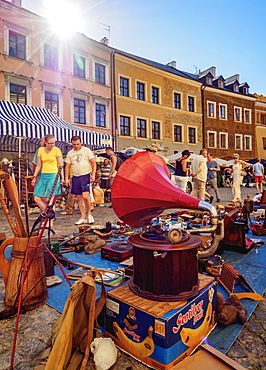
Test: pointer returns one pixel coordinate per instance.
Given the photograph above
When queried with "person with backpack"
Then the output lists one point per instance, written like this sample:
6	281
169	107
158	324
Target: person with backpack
115	163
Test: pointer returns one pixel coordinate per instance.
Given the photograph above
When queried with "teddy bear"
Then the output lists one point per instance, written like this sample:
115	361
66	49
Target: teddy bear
230	310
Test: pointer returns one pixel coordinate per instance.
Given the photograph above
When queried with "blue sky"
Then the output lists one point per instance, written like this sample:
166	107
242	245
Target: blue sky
228	34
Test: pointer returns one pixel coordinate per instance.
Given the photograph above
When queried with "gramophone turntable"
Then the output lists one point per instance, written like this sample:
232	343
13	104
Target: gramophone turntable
165	262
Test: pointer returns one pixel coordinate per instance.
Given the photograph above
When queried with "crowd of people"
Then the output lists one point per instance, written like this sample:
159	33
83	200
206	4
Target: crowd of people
81	171
204	170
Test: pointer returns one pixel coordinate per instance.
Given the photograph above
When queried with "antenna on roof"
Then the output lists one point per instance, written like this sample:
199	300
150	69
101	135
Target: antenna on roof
196	72
107	28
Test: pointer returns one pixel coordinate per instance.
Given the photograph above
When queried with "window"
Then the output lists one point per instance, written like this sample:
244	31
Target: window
237	114
236	88
245	90
155	130
141	127
50	56
222	111
124	126
177	101
140	91
248	142
247	115
238	141
155	95
263	119
18	94
124	86
100	115
52	102
192	135
208	80
79	66
223	140
79	111
220	84
264	143
100	73
191	104
17	45
178	134
211	109
212	139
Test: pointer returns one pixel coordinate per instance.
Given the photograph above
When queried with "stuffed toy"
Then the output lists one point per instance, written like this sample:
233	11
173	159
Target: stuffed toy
230	310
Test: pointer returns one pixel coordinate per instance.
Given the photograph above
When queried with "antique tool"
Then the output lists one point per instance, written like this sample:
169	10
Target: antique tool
8	216
12	191
75	236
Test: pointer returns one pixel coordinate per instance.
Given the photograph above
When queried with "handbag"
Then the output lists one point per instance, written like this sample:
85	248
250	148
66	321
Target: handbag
243	173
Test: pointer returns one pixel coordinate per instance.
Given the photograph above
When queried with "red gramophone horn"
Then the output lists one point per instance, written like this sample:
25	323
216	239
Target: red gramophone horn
142	189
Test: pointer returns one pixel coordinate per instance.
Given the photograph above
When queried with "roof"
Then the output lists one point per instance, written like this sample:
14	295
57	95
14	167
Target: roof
32	123
158	65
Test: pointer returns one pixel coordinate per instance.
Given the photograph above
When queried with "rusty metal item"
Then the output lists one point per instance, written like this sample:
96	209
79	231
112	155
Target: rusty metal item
12	192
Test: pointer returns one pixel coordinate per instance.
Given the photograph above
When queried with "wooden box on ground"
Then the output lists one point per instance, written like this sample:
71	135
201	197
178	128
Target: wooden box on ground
160	334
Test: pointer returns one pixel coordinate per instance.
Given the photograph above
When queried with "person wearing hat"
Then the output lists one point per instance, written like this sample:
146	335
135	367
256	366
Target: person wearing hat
181	170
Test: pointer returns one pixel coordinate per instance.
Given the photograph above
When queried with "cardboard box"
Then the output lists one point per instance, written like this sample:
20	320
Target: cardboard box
160	334
208	358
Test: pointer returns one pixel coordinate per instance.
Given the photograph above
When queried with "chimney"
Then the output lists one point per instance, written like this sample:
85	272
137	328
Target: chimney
232	78
206	71
104	41
16	2
172	64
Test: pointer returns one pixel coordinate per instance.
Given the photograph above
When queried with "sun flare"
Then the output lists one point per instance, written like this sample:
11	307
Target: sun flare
64	17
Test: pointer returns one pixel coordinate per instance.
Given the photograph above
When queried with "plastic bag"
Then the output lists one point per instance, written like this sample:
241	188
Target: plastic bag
105	353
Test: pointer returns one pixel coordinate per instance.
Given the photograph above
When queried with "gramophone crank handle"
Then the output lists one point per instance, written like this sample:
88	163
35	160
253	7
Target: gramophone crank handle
8	216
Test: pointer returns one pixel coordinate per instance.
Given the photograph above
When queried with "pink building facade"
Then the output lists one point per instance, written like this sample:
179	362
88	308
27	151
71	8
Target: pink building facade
72	77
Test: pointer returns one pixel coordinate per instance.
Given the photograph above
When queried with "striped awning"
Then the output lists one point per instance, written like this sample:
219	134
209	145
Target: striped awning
30	123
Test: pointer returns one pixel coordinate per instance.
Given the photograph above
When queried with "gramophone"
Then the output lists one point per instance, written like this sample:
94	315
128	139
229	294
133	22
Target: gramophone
165	261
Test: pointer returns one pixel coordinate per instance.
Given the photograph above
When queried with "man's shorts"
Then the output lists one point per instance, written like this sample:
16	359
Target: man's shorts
258	179
80	184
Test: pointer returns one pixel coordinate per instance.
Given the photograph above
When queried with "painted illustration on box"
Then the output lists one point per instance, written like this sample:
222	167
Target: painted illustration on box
161	342
193	337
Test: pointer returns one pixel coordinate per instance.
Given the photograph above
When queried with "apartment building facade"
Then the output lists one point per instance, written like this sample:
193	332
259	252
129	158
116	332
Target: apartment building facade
260	126
70	77
155	104
228	115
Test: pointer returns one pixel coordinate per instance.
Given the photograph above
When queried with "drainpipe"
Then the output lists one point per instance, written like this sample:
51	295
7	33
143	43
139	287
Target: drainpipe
203	116
113	105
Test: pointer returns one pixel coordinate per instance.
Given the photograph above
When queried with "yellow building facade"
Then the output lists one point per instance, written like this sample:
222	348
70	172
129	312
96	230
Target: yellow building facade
260	126
155	104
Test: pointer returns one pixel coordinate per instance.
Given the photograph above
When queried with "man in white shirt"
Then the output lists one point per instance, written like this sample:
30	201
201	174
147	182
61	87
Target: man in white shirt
198	170
258	171
83	168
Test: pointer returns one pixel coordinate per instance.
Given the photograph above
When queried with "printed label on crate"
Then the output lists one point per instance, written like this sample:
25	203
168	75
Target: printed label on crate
113	306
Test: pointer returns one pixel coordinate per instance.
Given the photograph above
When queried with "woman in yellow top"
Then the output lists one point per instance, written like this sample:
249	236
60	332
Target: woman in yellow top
49	160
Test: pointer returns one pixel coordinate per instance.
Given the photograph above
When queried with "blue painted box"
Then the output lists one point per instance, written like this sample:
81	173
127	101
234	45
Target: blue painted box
160	334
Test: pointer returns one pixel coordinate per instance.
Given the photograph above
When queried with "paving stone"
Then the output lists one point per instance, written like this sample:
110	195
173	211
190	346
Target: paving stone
263	336
257	349
237	351
254	327
244	362
260	315
6	358
40	331
30	348
245	337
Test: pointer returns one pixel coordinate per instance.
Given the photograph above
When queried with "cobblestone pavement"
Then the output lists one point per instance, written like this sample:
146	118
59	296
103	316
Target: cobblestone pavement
35	326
